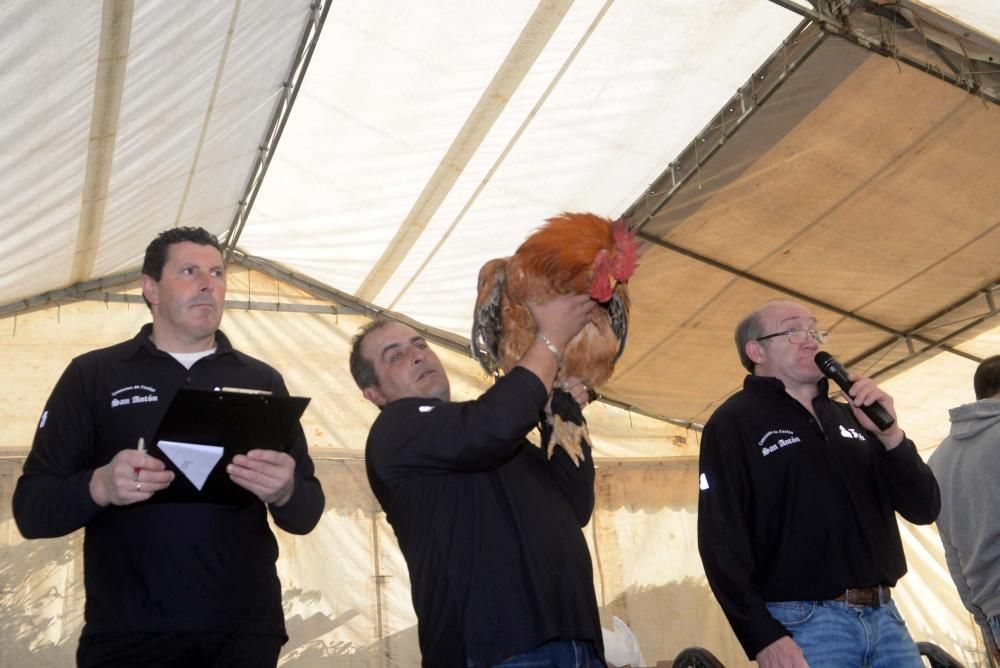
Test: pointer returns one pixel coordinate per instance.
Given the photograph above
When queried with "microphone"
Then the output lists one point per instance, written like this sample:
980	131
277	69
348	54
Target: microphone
836	372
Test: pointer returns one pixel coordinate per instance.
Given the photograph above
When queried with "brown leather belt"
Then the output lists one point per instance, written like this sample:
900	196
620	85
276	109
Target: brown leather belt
872	596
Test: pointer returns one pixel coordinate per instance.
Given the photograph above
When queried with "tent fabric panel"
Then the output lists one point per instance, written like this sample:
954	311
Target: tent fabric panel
47	111
799	95
170	96
643	538
614	143
367	139
310	350
174	53
328	588
681	359
846	145
585	94
256	69
864	158
921	406
983	14
594	138
985	344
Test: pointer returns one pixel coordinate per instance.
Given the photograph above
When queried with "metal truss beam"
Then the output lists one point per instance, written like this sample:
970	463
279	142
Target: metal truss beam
886	44
809	299
349	304
761	85
230	304
293	83
930	345
72	293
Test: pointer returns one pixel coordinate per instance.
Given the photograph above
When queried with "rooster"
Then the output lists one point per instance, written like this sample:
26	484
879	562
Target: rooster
571	253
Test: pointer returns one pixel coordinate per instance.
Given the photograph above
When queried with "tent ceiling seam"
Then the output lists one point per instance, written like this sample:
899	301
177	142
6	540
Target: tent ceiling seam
209	109
116	29
530	43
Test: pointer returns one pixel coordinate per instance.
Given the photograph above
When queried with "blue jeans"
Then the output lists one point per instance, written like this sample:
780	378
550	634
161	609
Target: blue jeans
994	624
558	654
838	635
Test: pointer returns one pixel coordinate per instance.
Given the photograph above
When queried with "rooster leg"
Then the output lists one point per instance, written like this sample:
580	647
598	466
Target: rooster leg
563	425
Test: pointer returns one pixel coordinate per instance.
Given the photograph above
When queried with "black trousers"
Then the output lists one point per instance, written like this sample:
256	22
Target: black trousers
166	650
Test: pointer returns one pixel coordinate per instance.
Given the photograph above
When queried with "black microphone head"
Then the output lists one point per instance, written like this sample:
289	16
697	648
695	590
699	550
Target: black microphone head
824	360
832	369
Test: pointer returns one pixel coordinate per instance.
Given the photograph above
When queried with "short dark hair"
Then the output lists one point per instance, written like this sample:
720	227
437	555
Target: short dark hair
363	369
749	329
987	378
156	251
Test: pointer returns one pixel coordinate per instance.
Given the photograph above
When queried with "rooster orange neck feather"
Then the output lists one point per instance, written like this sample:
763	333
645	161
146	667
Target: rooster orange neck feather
564	249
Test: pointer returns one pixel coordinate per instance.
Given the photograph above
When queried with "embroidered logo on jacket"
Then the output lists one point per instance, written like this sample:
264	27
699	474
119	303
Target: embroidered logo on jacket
851	433
134	395
776	439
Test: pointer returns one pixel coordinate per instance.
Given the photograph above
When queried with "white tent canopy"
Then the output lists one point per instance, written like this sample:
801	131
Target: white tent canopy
369	158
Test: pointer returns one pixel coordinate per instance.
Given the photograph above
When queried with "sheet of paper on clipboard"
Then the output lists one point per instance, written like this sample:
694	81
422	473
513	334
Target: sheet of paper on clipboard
195	460
203	430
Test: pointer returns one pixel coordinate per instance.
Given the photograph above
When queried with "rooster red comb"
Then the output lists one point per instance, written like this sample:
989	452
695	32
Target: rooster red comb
627	251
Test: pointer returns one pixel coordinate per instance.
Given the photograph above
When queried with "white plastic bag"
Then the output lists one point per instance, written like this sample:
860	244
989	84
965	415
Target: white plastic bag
620	646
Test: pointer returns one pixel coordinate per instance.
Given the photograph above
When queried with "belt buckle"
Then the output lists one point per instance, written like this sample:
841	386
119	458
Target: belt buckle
867	596
857	597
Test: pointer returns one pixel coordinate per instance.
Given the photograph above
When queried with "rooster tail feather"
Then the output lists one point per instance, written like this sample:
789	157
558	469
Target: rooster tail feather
618	309
486	320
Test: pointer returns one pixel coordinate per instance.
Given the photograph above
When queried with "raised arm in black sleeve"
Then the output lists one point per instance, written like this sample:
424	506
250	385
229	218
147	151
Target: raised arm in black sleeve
479	435
912	485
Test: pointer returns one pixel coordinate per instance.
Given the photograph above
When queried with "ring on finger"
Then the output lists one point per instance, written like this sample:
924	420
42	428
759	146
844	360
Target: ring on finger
138	486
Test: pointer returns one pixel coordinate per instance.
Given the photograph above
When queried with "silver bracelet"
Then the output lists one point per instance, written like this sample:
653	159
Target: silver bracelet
552	348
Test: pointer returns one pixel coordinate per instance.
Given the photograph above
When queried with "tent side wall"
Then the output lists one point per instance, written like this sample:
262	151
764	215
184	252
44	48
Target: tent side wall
346	591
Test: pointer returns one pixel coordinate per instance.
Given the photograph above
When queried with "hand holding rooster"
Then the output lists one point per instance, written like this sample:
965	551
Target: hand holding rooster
573	253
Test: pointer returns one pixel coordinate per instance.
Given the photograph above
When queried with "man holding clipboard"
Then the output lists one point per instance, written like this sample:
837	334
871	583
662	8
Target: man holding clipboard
171	579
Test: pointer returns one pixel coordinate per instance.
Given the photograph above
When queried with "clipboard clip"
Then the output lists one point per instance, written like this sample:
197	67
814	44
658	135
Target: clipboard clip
243	390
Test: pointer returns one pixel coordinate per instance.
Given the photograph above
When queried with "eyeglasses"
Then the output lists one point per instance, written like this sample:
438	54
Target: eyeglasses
798	336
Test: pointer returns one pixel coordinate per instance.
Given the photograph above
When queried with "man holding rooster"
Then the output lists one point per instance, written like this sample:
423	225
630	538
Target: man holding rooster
490	526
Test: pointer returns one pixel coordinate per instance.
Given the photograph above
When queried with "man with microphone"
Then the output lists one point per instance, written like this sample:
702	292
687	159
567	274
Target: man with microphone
798	495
